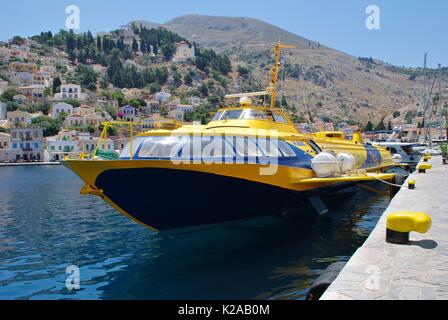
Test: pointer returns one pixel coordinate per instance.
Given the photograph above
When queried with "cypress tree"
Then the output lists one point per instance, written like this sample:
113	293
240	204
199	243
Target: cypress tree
134	45
98	43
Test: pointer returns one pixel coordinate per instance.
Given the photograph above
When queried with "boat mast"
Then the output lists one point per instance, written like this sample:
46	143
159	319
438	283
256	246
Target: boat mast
440	107
425	99
275	71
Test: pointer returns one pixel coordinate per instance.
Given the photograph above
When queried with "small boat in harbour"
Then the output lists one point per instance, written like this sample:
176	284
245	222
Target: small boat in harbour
250	160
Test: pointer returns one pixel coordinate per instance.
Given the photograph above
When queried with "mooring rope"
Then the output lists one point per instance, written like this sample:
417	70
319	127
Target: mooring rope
389	183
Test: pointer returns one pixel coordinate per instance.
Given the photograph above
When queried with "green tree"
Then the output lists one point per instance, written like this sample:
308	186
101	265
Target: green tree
56	85
203	90
103	82
50	126
177	78
161	75
396	114
9	94
134	45
168	50
381	125
188	80
74	103
119	97
369	126
154	87
242	71
17	40
98	43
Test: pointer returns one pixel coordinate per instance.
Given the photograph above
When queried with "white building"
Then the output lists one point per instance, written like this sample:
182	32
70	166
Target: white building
162	96
58	149
70	91
194	100
128	113
184	52
27	144
61	107
176	114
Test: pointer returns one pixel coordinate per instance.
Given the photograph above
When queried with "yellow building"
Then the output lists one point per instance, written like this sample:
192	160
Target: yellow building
23	67
19	117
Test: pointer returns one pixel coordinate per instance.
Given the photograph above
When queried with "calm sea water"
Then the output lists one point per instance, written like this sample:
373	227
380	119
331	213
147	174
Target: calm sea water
45	226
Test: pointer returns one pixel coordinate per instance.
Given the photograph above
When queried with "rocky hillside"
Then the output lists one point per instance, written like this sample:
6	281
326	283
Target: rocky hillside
318	80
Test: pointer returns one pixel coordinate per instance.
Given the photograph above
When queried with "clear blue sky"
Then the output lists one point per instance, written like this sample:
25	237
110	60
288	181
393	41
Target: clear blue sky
408	28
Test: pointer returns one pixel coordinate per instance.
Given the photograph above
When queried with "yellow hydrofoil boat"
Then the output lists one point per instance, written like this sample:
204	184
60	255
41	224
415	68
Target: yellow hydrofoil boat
248	161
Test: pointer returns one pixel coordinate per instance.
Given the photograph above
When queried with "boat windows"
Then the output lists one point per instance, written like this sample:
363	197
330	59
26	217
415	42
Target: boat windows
392	150
217	116
247	147
409	150
232	115
286	149
279	118
125	153
186	147
206	147
161	147
254	114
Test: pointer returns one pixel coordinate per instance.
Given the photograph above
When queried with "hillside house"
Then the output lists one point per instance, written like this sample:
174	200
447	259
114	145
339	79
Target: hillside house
184	52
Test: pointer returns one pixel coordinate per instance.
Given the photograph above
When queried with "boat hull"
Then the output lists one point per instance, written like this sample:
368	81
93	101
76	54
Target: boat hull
165	199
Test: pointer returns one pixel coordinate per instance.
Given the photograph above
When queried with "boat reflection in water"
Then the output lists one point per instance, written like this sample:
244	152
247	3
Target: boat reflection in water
248	161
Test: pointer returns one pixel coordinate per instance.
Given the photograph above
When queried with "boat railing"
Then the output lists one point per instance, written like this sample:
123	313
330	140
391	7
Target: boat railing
103	136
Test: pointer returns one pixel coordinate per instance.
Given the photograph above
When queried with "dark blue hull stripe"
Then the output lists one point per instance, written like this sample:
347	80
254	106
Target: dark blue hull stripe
170	199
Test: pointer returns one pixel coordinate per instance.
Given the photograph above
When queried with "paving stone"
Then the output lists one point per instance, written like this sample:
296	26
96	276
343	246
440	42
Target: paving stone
407	272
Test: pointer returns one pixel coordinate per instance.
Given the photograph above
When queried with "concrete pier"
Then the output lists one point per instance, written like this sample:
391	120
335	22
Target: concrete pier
418	271
22	164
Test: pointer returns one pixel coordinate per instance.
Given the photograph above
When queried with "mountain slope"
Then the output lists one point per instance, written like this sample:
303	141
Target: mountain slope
318	80
225	32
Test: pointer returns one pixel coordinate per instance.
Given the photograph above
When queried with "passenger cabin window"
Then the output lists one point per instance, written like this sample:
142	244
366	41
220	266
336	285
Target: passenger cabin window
161	147
125	153
187	147
286	149
253	114
279	118
217	116
232	115
247	147
409	150
206	147
392	150
334	135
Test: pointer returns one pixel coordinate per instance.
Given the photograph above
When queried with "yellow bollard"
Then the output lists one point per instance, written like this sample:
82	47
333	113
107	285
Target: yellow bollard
426	158
423	167
400	224
411	184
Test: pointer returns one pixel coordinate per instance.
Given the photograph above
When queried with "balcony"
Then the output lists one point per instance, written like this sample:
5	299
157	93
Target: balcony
27	149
